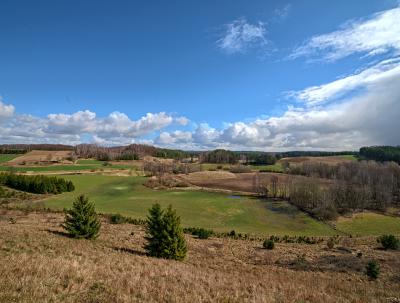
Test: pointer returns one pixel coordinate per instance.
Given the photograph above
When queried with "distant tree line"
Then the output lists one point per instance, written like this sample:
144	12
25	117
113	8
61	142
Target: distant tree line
130	152
36	184
221	156
381	153
23	148
313	154
352	186
172	154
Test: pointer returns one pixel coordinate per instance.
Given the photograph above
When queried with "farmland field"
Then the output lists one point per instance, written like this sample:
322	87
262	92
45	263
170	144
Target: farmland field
368	223
330	160
221	212
56	168
8	157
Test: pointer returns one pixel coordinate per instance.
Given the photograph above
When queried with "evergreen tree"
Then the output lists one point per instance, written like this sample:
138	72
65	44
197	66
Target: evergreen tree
81	220
165	235
154	230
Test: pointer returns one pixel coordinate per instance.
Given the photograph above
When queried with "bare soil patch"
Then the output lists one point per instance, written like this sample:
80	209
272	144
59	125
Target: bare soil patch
36	157
243	182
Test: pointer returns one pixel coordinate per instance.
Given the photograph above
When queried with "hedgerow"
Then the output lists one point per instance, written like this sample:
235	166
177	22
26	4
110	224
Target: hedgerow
36	184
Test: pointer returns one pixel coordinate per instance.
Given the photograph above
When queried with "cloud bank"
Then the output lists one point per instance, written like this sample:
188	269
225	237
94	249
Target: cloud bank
377	34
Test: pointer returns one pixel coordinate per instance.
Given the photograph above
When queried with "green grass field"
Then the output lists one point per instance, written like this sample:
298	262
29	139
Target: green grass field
72	167
7	157
349	157
369	223
275	168
220	212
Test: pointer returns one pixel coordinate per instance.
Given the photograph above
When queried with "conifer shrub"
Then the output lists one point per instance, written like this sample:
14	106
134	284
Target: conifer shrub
389	242
81	221
330	243
36	184
269	244
372	269
164	234
200	232
117	219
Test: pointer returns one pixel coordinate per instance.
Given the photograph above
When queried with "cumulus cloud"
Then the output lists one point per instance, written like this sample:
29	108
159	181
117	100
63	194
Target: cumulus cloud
182	120
116	128
6	110
240	35
315	95
377	34
368	118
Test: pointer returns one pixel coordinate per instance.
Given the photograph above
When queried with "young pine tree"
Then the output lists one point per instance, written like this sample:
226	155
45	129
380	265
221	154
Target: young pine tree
165	235
81	220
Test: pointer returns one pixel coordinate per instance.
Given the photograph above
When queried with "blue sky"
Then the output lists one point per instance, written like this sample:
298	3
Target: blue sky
259	75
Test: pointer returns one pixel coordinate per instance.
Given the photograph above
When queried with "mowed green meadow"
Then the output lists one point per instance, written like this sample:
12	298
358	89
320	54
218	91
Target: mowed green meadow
369	223
217	211
7	157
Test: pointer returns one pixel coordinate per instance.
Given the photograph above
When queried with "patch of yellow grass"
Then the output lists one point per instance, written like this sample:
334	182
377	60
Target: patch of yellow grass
38	264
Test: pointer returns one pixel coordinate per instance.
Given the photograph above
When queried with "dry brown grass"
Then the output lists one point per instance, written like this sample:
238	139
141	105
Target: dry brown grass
37	156
331	160
40	264
237	182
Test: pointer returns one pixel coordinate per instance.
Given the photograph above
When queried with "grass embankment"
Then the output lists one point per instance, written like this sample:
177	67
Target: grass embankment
368	223
8	157
72	167
40	264
220	212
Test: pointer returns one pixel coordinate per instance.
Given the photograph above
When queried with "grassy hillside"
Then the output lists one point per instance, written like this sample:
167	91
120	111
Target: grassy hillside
7	157
40	264
72	167
368	223
221	212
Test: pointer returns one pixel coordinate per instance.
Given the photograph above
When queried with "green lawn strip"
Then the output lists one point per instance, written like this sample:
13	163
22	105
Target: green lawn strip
55	168
220	212
275	168
8	157
369	223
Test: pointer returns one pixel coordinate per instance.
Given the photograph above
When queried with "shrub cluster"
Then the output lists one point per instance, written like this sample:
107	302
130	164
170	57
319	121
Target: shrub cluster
37	184
372	269
120	219
200	232
268	244
389	242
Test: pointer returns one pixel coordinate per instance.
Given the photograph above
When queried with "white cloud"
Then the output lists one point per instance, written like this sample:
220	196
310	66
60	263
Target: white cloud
370	76
6	110
380	33
75	128
173	138
241	35
182	120
282	13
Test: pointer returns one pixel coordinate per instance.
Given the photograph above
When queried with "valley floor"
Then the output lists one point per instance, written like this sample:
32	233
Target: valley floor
40	264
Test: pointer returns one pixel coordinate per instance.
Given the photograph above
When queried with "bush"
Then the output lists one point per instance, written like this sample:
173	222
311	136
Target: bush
372	269
117	219
81	220
330	243
200	232
269	244
389	242
164	234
